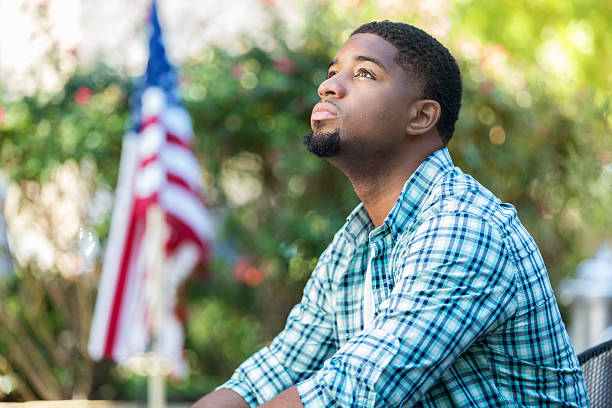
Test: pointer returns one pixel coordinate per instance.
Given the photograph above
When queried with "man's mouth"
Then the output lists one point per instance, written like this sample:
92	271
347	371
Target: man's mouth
324	111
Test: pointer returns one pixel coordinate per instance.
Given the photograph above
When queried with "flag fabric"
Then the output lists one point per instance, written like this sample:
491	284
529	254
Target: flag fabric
157	168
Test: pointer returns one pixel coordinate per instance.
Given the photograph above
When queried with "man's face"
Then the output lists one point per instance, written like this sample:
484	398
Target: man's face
364	102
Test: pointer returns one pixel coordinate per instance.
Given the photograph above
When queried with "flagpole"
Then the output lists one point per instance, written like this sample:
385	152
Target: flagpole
155	235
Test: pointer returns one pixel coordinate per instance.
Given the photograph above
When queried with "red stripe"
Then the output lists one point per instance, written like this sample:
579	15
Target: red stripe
128	250
178	180
180	232
148	122
174	139
142	204
145	162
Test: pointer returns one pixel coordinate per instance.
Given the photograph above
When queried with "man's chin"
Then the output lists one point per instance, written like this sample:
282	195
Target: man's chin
322	144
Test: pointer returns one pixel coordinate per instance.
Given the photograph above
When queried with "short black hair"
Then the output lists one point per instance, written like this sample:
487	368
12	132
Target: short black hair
429	63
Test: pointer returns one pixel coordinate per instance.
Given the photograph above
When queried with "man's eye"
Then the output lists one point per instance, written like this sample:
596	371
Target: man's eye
330	74
364	73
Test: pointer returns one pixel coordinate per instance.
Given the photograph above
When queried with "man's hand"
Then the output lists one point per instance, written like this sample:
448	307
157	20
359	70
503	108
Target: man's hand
223	398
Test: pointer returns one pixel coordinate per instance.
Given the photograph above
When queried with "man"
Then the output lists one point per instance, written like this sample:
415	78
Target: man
432	294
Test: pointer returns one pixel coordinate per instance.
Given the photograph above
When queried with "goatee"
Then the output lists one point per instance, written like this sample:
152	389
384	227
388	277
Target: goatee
322	144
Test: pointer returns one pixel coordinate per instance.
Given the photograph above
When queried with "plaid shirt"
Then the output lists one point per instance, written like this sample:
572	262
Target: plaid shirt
464	311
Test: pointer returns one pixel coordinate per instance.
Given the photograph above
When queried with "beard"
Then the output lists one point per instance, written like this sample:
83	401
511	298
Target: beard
322	144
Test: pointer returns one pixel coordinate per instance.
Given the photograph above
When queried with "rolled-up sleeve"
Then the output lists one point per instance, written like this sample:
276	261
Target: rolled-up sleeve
298	351
454	282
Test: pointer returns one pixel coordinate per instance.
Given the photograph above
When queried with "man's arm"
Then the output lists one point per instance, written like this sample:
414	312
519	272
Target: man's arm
454	283
295	354
286	399
221	398
224	398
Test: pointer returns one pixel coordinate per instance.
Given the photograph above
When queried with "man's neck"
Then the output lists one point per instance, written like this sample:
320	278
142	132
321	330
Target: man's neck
379	193
378	186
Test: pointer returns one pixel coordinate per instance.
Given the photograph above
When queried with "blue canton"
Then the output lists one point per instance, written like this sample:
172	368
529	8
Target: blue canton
464	312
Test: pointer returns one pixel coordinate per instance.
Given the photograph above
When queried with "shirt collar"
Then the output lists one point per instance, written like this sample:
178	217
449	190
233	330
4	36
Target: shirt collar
416	188
358	223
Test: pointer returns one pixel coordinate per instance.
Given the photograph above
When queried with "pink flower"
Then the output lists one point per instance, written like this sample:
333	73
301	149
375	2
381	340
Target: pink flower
284	65
485	87
82	95
247	273
272	156
237	71
2	111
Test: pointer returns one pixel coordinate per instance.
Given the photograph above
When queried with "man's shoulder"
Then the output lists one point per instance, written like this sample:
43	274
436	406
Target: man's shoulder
459	195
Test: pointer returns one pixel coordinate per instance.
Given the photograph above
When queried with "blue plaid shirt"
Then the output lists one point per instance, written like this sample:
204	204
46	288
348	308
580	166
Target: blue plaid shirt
464	312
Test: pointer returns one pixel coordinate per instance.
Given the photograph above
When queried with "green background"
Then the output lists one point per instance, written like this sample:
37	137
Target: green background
535	128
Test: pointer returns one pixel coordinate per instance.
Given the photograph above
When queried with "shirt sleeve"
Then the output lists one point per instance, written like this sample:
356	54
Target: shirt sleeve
298	351
454	283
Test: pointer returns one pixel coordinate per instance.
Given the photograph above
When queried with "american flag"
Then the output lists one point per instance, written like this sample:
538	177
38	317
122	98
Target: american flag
158	169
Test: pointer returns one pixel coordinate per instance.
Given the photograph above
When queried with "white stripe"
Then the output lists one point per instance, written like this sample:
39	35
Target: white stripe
177	268
182	162
114	250
149	179
188	208
179	265
150	141
368	296
131	331
153	101
177	121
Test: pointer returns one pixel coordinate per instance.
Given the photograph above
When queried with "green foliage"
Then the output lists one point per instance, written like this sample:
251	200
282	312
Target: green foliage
38	133
536	140
44	323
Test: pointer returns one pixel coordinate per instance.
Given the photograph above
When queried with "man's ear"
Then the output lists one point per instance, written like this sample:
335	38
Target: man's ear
424	115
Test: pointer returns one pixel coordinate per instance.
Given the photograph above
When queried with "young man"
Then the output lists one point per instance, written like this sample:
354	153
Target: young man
432	294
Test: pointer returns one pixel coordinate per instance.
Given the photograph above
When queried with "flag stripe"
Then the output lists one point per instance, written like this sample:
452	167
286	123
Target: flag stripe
151	120
174	139
183	232
119	225
178	180
182	163
183	205
148	160
119	289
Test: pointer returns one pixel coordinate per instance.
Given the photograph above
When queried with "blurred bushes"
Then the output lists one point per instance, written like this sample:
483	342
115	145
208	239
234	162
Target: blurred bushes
538	142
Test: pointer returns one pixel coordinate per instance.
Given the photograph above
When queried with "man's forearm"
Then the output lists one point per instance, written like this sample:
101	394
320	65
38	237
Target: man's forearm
286	399
226	398
222	398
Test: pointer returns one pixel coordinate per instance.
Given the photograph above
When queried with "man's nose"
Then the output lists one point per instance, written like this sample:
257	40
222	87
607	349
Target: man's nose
332	86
